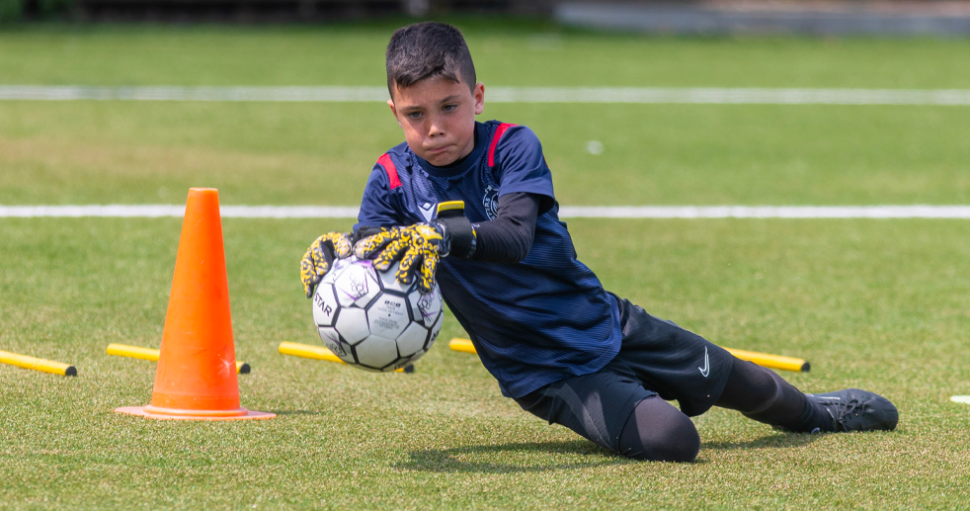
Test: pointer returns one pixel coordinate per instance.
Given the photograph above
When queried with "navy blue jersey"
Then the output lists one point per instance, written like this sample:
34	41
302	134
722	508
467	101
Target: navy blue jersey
534	322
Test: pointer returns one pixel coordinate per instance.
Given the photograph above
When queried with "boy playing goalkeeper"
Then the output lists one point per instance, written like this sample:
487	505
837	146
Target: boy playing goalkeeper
559	344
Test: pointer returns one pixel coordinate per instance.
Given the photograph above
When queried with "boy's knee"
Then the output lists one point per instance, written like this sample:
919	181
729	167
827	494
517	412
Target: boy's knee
657	431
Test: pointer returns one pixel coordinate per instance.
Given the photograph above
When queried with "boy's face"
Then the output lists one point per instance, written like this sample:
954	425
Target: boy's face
438	118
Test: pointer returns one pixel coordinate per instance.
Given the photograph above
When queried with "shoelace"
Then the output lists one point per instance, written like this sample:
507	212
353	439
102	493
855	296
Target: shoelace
842	410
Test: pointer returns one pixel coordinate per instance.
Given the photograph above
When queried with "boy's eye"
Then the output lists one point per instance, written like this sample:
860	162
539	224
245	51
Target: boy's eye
414	115
449	108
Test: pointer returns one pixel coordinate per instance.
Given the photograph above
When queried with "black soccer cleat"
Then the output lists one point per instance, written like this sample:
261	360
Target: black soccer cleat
858	410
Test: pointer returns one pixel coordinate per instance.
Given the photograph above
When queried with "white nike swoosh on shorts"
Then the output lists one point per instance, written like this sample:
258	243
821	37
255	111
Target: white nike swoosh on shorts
706	370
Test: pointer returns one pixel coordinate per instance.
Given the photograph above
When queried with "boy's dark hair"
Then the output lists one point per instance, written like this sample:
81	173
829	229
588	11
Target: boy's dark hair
427	50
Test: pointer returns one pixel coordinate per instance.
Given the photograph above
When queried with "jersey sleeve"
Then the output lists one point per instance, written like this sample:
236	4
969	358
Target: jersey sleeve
508	238
523	167
376	207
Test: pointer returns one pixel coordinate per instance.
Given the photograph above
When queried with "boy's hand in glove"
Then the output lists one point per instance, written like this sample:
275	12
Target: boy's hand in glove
320	256
419	247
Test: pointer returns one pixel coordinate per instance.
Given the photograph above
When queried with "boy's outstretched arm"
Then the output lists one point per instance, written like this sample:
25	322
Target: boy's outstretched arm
509	237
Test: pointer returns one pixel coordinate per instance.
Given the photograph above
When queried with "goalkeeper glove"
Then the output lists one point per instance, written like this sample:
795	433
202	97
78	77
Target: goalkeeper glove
419	247
320	256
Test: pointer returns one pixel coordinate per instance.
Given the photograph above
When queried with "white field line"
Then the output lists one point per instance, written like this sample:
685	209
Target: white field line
162	210
945	97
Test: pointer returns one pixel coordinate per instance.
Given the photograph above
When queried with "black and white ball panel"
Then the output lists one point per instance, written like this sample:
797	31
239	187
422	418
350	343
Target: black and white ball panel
370	320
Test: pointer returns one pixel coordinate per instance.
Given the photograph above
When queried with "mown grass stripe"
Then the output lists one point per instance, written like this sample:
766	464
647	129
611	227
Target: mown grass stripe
166	210
698	95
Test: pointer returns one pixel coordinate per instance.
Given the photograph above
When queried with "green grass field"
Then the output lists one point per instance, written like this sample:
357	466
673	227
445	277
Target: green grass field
876	304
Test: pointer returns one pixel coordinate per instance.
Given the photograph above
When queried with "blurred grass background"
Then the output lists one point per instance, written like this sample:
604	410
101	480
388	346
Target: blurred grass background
271	153
507	52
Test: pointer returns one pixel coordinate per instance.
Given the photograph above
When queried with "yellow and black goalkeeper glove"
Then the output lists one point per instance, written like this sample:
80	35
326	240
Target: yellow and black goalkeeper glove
419	247
320	256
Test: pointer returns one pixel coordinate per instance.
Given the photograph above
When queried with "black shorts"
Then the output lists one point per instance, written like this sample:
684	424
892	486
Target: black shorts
657	357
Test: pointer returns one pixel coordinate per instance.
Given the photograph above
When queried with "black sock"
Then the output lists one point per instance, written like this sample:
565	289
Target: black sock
762	395
813	419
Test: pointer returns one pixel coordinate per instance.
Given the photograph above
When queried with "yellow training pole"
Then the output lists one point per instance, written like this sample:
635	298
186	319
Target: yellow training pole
772	361
307	351
464	345
123	350
37	364
761	359
319	353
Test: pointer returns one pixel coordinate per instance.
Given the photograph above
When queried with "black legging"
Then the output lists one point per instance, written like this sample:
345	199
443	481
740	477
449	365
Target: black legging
658	431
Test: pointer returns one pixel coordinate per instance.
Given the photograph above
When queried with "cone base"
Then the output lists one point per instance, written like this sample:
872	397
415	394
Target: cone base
140	410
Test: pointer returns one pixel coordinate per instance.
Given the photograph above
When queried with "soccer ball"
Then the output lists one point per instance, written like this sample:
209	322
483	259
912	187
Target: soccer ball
369	320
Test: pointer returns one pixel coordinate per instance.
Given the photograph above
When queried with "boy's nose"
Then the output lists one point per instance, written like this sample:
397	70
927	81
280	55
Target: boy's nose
436	129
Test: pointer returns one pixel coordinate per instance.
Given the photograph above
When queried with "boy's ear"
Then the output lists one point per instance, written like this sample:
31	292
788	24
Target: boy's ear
479	95
390	103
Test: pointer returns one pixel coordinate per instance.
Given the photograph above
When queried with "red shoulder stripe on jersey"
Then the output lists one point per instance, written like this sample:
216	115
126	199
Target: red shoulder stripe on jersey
495	138
385	161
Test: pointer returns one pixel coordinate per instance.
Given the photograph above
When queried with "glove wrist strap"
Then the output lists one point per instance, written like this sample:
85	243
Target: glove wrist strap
461	236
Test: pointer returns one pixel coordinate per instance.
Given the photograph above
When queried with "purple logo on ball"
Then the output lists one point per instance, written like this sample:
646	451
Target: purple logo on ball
333	343
356	284
425	304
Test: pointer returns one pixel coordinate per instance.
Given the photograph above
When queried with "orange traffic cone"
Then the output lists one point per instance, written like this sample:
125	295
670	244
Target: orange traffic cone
196	374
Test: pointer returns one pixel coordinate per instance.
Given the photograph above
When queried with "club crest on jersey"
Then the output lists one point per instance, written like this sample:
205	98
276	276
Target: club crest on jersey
490	201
